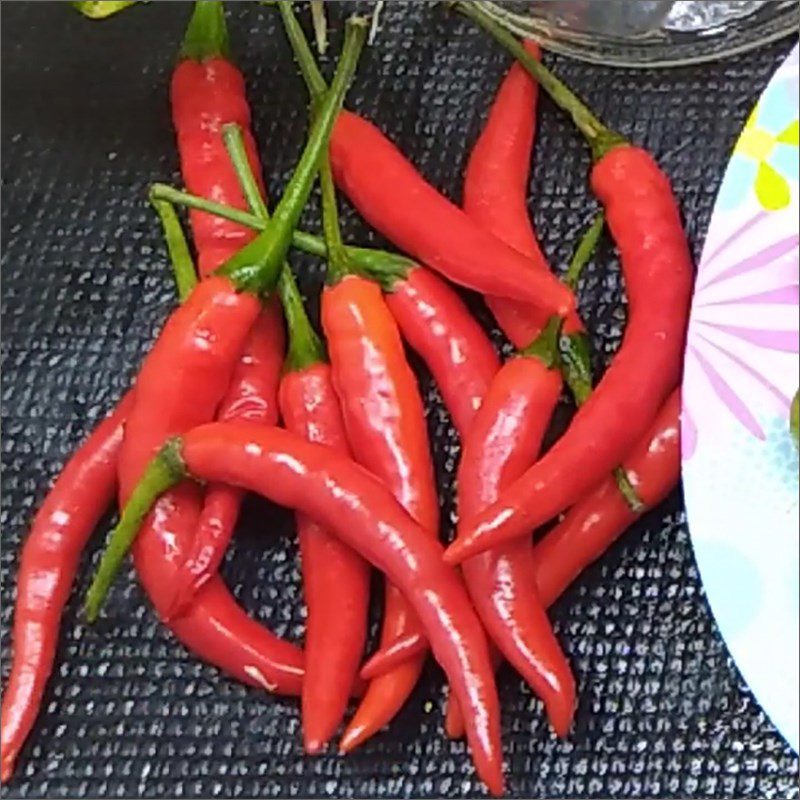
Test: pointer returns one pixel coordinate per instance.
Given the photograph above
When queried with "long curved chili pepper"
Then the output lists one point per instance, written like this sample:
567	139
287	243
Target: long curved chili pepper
194	358
354	505
335	579
504	440
643	217
208	93
384	417
595	522
590	527
420	220
82	493
496	189
432	318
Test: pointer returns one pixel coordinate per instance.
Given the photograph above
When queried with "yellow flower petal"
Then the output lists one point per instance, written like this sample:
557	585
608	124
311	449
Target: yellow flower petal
771	189
790	134
755	143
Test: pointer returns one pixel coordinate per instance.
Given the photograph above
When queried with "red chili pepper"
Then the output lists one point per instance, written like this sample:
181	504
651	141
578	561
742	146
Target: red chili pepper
425	224
590	527
386	428
496	190
208	93
436	324
335	579
504	440
74	505
354	505
193	359
383	414
594	523
643	217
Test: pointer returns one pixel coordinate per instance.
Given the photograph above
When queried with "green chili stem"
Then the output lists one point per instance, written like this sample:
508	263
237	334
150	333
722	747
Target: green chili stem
583	252
183	269
382	266
338	262
237	152
207	34
601	139
256	267
305	347
163	472
545	345
302	52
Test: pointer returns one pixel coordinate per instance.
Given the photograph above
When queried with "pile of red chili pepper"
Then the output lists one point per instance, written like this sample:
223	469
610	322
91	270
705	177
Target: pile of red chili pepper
240	394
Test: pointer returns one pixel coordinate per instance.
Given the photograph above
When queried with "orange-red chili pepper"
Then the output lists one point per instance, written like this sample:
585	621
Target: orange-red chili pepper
383	414
643	217
193	360
335	578
82	493
354	505
208	93
385	422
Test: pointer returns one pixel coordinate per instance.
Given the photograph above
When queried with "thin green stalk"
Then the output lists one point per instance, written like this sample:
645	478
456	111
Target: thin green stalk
163	472
237	152
545	345
308	66
183	269
575	356
794	419
382	266
338	261
583	252
256	267
206	34
305	347
601	139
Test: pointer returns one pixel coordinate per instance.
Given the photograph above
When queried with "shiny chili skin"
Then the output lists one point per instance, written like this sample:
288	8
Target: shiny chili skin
386	428
643	217
335	578
596	521
590	527
496	192
503	441
206	94
425	224
181	384
357	507
80	496
436	324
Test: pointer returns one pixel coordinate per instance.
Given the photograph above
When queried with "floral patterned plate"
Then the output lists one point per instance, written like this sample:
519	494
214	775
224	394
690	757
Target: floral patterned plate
740	463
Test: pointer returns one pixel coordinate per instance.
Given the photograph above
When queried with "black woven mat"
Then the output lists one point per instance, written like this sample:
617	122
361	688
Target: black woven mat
663	712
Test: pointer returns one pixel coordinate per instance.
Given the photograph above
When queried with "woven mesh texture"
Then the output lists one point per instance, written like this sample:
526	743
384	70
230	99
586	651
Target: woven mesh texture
663	712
